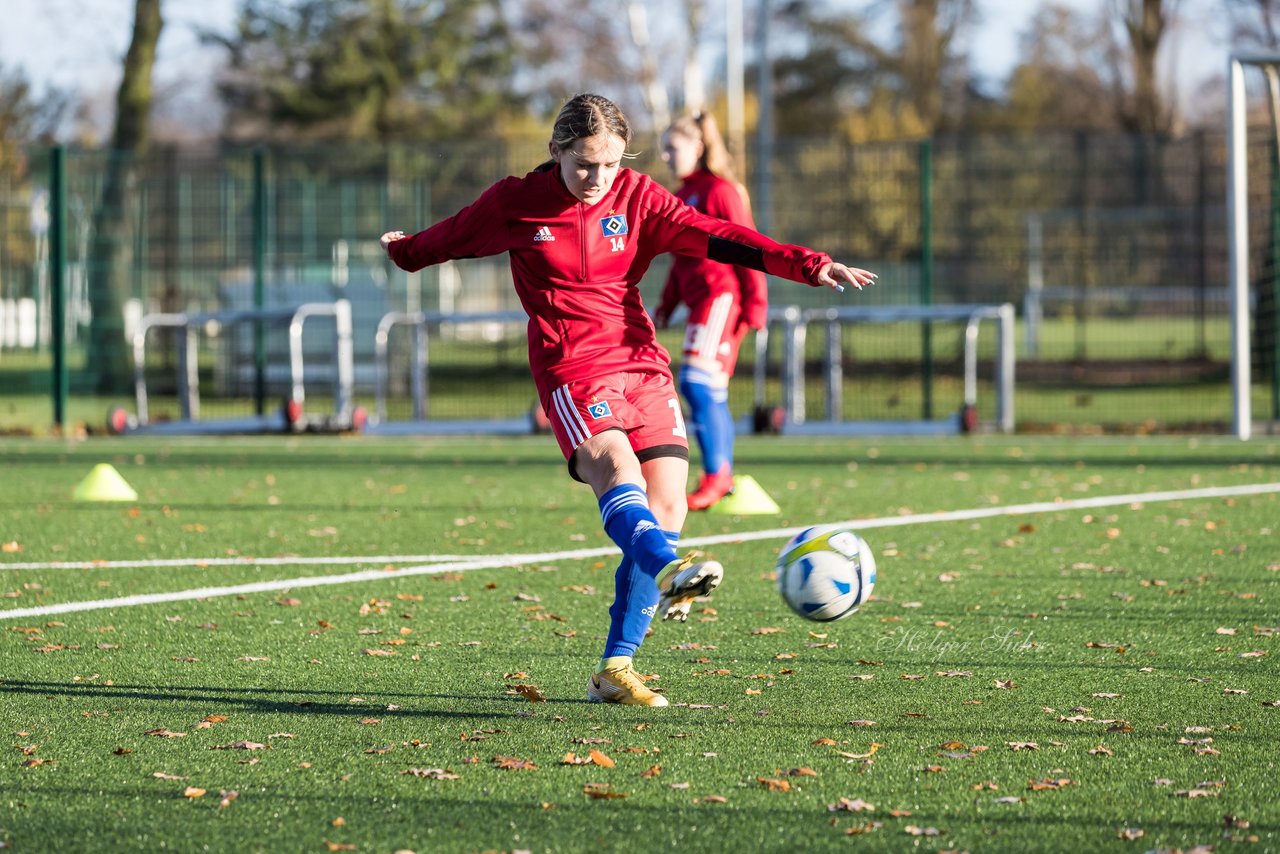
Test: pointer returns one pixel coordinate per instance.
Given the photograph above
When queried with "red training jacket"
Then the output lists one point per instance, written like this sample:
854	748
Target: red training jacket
576	267
693	281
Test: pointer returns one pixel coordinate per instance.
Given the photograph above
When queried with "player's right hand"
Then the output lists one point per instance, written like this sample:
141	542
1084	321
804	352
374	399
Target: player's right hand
391	237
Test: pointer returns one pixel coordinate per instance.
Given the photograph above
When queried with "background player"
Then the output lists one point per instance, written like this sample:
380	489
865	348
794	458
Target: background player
724	300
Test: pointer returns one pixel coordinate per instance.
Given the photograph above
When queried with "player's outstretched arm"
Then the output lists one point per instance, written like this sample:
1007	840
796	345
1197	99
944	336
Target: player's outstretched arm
837	275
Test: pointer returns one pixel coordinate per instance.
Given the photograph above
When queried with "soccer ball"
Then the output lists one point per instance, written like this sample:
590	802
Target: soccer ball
826	572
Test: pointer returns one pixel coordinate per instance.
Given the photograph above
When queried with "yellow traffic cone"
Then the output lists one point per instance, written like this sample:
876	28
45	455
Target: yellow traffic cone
747	499
104	483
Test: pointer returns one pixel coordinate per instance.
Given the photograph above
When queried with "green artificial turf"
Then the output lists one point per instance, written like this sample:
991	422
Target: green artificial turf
1089	678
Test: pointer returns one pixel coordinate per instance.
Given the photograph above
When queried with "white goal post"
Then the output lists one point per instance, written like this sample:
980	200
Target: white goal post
1238	224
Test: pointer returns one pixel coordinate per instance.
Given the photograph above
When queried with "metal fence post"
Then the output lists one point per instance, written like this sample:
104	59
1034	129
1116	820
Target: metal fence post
58	280
926	276
259	279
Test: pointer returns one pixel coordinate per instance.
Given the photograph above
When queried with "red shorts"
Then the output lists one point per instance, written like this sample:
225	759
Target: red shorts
713	332
642	404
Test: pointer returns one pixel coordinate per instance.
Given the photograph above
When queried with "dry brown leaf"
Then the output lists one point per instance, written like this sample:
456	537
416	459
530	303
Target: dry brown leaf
161	732
1130	833
774	784
921	831
193	792
601	759
854	805
651	772
602	791
1048	783
875	745
339	846
512	763
767	631
432	773
1022	745
715	799
1197	793
240	745
529	692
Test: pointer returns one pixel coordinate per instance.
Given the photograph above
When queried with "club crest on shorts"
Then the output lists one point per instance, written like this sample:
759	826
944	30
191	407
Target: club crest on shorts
614	225
599	409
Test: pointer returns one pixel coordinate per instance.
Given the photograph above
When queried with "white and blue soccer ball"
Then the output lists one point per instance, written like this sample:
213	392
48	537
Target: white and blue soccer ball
826	572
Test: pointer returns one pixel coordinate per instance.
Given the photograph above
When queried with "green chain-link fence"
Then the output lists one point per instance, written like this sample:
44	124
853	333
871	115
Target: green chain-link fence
1112	248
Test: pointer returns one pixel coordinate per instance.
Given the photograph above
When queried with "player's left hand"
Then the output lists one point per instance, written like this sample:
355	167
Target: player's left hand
837	275
391	237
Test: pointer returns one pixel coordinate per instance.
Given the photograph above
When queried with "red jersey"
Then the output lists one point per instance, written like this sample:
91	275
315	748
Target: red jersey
576	267
693	281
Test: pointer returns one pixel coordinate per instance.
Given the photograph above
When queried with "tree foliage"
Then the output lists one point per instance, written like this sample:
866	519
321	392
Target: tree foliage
366	70
835	71
1063	79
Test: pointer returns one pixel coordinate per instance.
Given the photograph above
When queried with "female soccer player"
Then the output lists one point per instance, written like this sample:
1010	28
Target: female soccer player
581	231
724	300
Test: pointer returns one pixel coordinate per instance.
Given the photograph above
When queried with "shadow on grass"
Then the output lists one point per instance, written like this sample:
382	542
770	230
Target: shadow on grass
287	701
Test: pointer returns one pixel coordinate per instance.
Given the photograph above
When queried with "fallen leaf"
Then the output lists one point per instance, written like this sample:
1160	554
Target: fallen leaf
529	692
1048	783
847	805
240	745
165	733
602	791
511	763
601	759
921	831
774	784
1022	745
874	747
432	773
1131	833
193	792
1196	793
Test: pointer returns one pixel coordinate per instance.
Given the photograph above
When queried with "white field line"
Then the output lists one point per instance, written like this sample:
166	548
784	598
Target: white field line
203	562
496	561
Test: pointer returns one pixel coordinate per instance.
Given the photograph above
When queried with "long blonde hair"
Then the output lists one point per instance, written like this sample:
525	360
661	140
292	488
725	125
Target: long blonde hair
715	158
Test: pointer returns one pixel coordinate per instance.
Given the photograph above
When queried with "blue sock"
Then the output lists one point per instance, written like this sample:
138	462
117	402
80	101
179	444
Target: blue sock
710	417
635	600
631	524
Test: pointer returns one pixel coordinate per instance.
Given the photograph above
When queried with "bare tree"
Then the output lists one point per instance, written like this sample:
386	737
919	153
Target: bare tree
1255	22
108	284
1145	24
